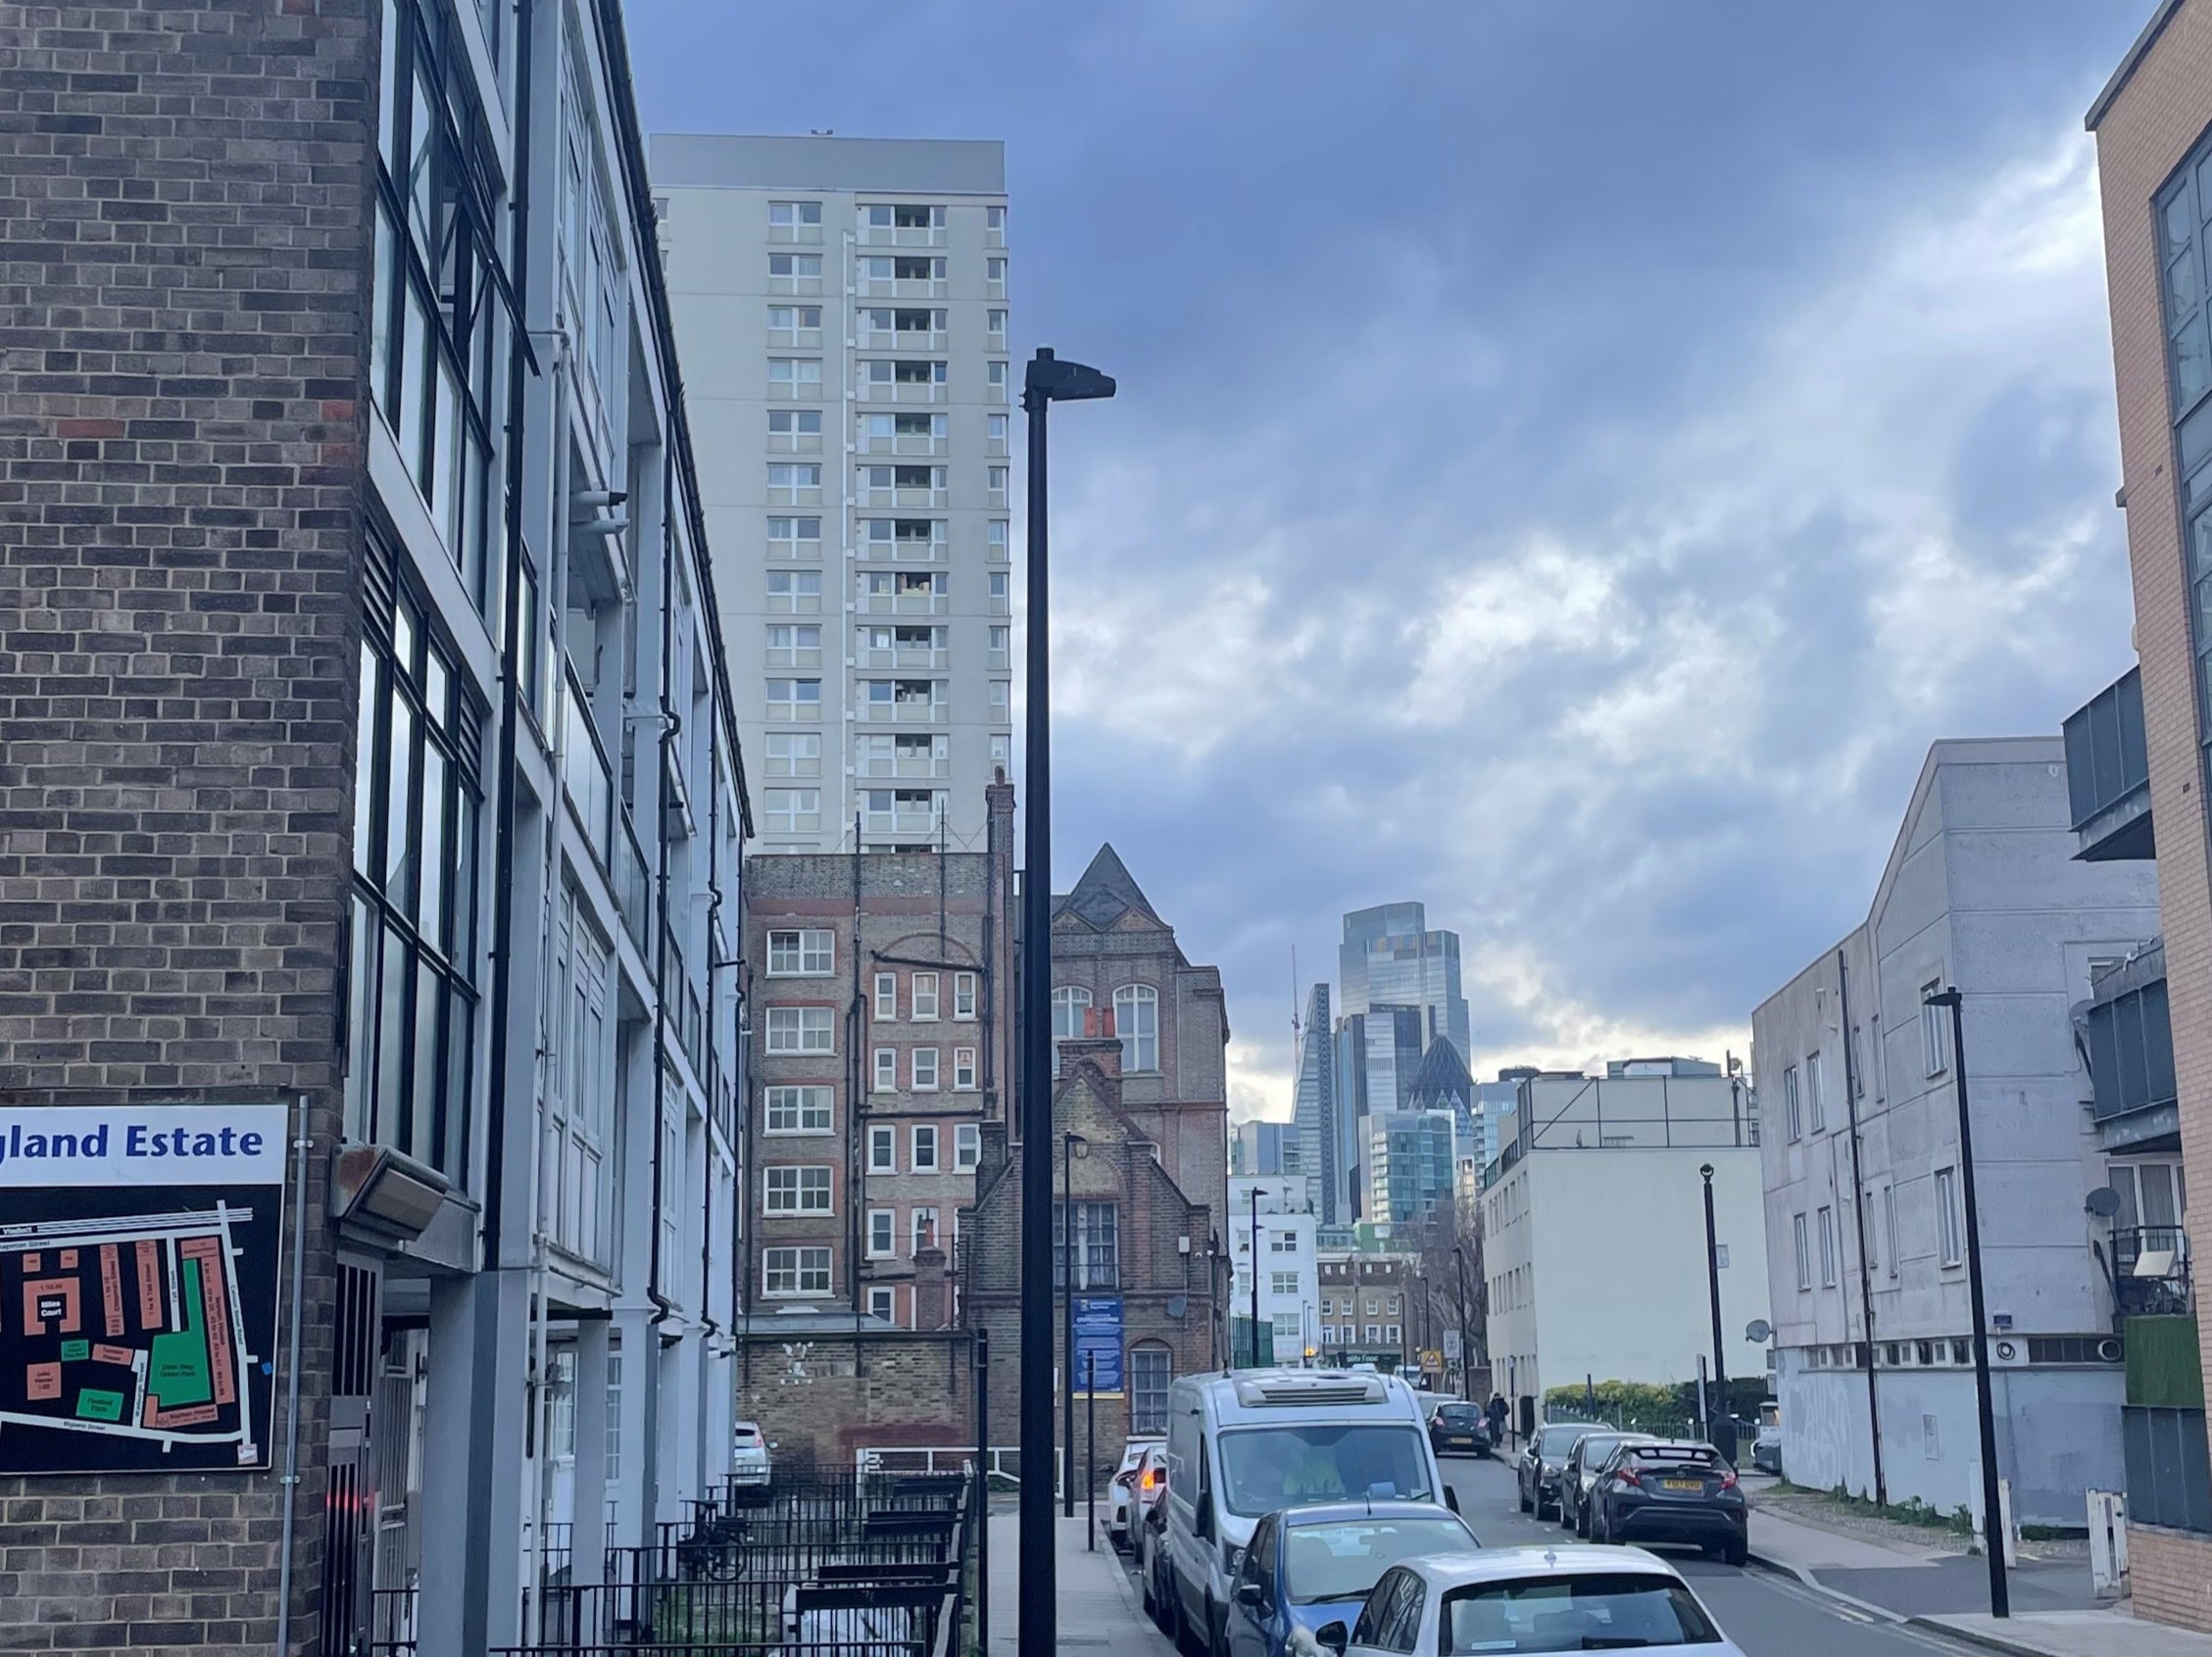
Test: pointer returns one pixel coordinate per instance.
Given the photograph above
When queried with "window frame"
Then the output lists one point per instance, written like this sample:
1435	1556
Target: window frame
798	1271
802	1188
921	997
1935	1030
925	1134
1140	1048
968	1147
883	1137
888	1219
1802	1235
1950	1221
812	949
823	1020
798	1110
934	1070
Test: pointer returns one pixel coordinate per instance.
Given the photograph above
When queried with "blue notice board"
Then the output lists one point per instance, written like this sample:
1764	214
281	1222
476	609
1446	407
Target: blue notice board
1097	1341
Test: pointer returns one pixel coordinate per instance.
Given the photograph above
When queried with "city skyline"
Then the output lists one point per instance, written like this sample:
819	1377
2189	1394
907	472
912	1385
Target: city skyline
1598	798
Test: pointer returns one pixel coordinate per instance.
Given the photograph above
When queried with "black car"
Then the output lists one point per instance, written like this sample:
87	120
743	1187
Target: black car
1459	1430
1671	1492
1537	1471
1580	1474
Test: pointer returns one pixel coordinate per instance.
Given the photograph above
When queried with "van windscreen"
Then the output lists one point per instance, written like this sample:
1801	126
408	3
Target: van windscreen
1264	1468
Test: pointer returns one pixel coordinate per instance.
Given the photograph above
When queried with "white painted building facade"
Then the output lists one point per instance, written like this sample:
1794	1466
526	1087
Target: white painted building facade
1284	1223
1982	890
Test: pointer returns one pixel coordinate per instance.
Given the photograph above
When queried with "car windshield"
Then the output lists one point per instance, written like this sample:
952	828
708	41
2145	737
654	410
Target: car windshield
1460	1415
1342	1559
1556	1441
1610	1611
1264	1468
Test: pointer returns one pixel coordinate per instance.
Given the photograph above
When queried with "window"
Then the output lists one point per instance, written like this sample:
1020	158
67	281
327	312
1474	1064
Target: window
1000	643
883	1232
1859	1061
794	273
1136	1019
796	431
1374	1334
795	1271
795	376
1069	1003
883	1149
795	483
887	995
995	377
795	1191
1890	1225
1828	1247
1393	1307
792	811
1804	1252
883	1303
1948	1229
964	985
410	984
924	1229
1098	1245
1935	1031
795	538
1282	1283
1151	1368
994	270
925	996
794	319
1001	690
964	1070
800	1030
795	591
999	592
795	215
809	953
995	322
995	433
793	753
1793	1120
925	1073
967	1145
794	699
886	1069
1819	1087
798	1109
440	328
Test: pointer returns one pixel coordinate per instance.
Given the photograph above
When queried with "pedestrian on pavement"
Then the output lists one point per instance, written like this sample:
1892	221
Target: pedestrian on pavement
1498	1411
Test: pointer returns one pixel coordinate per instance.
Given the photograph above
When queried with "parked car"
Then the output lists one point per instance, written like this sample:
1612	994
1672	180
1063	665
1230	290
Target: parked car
1244	1446
1581	1472
1671	1492
1513	1600
1153	1582
1537	1472
1766	1448
1459	1430
1311	1566
750	1462
1121	1487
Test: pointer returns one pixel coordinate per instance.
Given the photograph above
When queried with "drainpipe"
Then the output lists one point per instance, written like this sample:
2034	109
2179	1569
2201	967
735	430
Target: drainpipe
291	1481
1859	1215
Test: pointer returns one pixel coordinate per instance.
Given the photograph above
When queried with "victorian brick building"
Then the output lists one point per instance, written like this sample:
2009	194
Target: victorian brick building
365	749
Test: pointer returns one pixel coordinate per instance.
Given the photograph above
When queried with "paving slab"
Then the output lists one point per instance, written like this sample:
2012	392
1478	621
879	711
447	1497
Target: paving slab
2071	1633
1097	1606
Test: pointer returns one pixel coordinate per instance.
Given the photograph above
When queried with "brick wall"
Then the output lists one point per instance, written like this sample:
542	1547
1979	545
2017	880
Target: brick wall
2149	129
822	1398
183	227
2170	1575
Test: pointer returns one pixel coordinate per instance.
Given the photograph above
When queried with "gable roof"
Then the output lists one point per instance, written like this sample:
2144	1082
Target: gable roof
1443	1074
1105	893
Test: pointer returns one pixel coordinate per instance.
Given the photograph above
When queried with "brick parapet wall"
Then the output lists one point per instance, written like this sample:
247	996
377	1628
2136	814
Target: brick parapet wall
2170	1575
183	229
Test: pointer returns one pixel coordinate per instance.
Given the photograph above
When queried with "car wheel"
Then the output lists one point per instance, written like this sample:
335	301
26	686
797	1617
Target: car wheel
1599	1530
1582	1520
1566	1519
1521	1492
1737	1552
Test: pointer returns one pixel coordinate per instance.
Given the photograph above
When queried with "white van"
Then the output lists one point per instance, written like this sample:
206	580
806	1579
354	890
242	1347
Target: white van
1242	1445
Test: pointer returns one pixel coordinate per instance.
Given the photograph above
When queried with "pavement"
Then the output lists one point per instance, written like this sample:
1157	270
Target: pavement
1099	1609
2070	1634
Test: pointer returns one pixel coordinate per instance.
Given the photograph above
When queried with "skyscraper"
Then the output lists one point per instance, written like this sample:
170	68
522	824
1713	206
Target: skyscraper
1377	1054
1314	1112
841	305
1389	958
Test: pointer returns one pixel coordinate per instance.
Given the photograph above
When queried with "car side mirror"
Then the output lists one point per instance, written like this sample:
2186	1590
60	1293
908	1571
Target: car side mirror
1333	1637
1451	1498
1251	1594
1201	1522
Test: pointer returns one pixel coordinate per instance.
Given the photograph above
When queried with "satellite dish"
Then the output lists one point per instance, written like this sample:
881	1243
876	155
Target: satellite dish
1758	1332
2104	1203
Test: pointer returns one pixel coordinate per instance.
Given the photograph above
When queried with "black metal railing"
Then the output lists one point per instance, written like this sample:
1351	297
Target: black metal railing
391	1622
869	1563
2152	1273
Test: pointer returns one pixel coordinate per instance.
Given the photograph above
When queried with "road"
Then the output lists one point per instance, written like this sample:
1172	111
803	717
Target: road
1766	1614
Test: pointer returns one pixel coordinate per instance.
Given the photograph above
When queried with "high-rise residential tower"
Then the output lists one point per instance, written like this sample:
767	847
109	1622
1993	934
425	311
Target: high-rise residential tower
1389	957
842	308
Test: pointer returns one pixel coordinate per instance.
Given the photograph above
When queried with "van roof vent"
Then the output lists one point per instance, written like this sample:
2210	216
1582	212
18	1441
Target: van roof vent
1297	1391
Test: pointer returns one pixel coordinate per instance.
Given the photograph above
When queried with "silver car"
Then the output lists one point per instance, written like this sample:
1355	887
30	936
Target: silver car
1504	1601
749	1460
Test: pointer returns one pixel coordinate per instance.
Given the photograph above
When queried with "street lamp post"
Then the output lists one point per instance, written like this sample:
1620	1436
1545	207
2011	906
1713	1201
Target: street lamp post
1993	1517
1466	1351
1047	381
1713	1285
1254	1276
1067	1144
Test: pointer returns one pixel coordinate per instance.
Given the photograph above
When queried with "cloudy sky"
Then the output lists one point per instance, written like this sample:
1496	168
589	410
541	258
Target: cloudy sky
1571	459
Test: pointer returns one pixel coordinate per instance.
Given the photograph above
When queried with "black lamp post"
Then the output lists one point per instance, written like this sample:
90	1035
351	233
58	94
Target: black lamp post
1047	381
1993	1518
1716	1414
1254	1348
1467	1350
1067	1144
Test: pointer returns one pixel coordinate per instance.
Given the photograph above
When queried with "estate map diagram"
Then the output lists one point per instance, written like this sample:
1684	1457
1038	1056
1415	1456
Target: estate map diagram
130	1327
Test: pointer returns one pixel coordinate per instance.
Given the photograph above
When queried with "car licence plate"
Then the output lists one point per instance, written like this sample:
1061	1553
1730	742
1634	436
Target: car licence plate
1682	1483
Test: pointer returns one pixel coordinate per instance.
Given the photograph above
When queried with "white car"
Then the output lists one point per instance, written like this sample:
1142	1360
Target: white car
1121	1489
749	1462
1504	1601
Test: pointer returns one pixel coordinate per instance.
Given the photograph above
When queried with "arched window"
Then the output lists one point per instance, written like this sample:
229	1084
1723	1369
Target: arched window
1135	1020
1151	1367
1069	1003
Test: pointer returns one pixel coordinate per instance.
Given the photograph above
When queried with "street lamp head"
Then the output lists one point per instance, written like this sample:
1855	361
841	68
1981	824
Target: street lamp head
1941	999
1056	381
1705	1172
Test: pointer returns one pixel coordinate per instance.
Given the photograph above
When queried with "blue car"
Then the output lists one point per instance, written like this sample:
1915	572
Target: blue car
1308	1567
